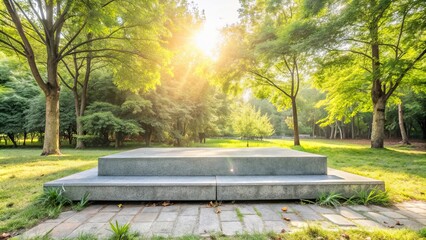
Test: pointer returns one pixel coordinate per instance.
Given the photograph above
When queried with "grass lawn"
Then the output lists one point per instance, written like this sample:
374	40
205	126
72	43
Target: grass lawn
23	171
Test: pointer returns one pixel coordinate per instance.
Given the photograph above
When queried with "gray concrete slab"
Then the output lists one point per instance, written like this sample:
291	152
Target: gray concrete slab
136	188
196	188
212	161
292	187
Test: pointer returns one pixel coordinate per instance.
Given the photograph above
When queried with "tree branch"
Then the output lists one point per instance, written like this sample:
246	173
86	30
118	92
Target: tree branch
404	72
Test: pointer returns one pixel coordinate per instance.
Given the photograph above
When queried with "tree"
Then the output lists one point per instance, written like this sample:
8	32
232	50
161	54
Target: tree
15	100
380	41
266	53
58	26
248	123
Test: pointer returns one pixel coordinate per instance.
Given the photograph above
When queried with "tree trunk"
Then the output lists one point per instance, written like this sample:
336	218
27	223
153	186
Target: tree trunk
12	139
340	129
353	128
25	138
51	133
5	140
79	142
422	124
378	124
148	137
402	125
331	131
295	122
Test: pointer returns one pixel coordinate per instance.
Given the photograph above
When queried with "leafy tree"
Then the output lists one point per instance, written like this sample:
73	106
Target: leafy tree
248	123
372	47
102	121
264	52
46	33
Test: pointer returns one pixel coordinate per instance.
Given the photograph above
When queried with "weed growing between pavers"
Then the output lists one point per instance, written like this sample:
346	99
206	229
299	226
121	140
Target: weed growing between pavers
239	215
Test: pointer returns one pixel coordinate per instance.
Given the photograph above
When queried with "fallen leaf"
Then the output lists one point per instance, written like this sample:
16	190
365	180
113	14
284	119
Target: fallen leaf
385	222
217	210
287	219
345	236
120	205
398	223
5	236
284	209
166	203
391	226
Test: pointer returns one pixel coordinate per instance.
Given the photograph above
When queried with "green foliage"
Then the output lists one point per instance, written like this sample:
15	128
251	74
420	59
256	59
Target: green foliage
82	204
373	196
422	232
330	199
53	197
249	123
120	232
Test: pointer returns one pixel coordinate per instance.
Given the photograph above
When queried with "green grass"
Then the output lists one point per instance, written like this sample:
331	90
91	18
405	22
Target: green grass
23	172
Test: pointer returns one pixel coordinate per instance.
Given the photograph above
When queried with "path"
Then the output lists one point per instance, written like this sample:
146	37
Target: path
201	219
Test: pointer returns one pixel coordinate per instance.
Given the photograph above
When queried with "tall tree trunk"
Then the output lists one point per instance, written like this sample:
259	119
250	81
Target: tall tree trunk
353	128
340	129
377	92
295	122
148	137
25	138
51	133
331	131
402	125
378	124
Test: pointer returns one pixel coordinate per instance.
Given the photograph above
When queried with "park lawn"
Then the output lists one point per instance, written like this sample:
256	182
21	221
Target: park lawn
23	171
22	174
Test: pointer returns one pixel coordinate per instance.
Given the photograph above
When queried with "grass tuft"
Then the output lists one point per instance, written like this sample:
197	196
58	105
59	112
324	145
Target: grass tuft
239	215
82	204
331	199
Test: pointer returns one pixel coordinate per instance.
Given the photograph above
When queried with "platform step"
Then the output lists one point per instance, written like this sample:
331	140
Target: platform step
212	162
201	188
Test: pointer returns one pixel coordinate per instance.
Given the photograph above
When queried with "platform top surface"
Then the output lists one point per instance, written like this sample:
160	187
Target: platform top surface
209	152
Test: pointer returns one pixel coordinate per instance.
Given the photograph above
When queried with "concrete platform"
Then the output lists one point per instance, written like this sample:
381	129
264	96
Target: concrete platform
212	162
136	188
293	187
196	188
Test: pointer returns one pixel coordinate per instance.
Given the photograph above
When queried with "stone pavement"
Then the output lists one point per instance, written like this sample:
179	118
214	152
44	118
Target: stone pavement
229	218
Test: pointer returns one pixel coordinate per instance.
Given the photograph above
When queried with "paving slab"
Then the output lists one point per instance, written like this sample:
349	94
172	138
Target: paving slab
63	230
162	228
253	224
348	213
339	220
232	228
228	216
185	225
209	221
146	217
167	217
189	210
